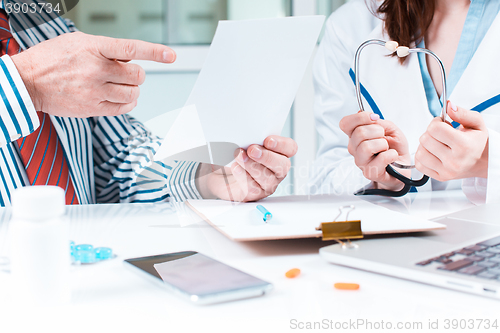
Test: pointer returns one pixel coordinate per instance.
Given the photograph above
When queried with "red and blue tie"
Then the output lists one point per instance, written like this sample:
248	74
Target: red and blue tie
41	151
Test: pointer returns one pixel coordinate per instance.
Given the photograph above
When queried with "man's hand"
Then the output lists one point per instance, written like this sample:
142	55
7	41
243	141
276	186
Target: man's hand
446	153
374	144
255	175
79	75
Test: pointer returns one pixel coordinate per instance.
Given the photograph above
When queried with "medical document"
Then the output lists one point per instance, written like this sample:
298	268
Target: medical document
296	217
245	90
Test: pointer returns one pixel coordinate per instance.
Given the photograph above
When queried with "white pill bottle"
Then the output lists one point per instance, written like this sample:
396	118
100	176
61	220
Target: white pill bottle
40	255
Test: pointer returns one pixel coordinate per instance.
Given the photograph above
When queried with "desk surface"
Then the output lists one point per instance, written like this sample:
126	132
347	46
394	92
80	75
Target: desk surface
107	297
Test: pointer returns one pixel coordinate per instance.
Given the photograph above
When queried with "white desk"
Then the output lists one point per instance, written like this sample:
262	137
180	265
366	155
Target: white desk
109	298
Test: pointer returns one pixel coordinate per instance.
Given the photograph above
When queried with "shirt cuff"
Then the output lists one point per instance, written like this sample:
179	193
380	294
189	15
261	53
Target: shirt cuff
492	192
475	190
18	116
182	182
482	190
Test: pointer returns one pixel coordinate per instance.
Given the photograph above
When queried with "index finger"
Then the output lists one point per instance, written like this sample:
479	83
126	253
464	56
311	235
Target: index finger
349	123
128	49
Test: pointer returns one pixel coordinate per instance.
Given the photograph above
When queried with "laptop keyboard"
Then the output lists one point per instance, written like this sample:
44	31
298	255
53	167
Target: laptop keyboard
481	260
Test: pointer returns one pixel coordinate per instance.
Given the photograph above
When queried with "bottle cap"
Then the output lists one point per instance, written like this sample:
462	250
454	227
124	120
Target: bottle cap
38	202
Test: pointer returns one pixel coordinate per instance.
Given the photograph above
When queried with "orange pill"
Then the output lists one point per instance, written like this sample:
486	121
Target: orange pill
346	286
293	273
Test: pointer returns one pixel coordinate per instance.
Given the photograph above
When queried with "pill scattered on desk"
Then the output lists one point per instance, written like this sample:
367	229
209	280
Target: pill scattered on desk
87	254
103	253
85	257
293	273
84	247
346	286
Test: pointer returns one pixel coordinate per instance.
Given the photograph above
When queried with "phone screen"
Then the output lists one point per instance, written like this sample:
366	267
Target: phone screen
196	274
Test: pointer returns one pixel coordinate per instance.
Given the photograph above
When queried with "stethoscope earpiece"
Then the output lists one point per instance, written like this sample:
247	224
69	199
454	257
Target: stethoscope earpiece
391	45
403	51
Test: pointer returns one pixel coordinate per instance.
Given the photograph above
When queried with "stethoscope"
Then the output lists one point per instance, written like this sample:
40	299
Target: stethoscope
401	51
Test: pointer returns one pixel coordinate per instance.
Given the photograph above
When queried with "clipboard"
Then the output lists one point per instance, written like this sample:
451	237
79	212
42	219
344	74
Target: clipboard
296	217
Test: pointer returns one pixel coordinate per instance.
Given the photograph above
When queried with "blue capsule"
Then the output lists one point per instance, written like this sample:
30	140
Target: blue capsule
85	257
86	254
84	247
103	253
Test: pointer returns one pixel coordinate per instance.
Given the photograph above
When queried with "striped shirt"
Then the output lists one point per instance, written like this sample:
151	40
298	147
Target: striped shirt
108	157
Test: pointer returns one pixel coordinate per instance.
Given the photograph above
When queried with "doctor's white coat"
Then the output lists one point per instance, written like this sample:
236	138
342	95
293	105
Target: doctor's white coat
397	92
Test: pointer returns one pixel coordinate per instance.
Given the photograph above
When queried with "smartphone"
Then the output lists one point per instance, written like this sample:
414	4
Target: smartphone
198	278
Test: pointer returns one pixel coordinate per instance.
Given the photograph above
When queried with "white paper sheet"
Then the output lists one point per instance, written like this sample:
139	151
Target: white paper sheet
248	83
298	216
160	125
185	134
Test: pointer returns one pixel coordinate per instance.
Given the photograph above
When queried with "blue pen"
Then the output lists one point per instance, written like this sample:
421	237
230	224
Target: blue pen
267	215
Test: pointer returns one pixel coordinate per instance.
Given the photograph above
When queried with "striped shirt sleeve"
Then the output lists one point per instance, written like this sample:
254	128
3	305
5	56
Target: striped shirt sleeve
123	150
71	25
18	116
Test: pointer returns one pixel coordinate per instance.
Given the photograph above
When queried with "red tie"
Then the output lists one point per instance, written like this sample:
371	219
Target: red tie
41	151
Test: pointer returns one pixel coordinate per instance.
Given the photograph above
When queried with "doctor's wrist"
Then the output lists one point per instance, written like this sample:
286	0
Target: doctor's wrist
480	169
397	186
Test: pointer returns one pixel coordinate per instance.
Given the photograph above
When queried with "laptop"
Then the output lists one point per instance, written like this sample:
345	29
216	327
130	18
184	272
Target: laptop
464	257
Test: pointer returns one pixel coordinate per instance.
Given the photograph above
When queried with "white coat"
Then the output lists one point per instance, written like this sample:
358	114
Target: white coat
398	92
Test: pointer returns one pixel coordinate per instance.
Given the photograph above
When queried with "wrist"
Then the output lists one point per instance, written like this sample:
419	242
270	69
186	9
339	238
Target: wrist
26	71
481	168
391	187
202	181
391	183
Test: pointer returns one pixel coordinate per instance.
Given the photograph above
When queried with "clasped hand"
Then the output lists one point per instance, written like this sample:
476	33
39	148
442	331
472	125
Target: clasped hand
444	153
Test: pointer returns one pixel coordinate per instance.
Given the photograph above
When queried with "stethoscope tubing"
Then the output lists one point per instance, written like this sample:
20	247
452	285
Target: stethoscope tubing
408	182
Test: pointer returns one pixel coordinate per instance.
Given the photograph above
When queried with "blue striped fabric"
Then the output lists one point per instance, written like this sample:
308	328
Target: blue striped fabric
105	154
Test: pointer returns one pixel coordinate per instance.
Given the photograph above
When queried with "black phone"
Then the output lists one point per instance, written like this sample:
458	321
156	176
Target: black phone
199	278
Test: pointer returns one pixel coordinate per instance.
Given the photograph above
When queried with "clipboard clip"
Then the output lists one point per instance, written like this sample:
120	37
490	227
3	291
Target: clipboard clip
338	230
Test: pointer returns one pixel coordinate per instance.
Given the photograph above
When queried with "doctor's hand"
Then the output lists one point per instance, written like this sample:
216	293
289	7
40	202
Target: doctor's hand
255	174
374	144
79	75
446	153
